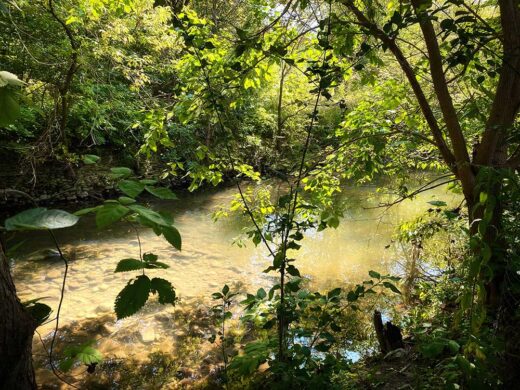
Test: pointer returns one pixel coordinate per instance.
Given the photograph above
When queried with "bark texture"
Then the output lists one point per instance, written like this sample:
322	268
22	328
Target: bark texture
16	334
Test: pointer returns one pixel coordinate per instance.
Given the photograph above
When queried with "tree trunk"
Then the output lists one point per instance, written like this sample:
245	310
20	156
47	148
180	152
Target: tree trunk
16	334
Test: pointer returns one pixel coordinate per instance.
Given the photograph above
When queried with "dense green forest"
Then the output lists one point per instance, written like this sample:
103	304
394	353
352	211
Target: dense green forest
132	116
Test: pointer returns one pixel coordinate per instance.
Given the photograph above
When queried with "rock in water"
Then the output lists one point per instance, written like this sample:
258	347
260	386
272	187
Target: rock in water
147	335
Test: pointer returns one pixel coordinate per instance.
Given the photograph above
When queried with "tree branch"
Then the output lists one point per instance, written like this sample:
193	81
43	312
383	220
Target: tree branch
426	109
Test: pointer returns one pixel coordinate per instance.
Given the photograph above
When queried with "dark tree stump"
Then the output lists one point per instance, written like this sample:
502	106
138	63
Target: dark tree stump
388	335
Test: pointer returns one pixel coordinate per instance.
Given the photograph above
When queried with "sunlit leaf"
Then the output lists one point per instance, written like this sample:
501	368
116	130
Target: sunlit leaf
41	219
110	213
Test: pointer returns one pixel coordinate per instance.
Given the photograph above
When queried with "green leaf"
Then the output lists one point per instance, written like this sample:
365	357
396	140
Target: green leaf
374	274
133	297
225	289
334	293
432	349
150	257
81	212
156	265
129	265
120	172
172	235
110	213
131	188
161	192
66	364
437	203
39	311
89	355
293	271
40	219
148	182
9	108
165	290
90	159
453	346
124	200
149	215
261	294
85	353
391	287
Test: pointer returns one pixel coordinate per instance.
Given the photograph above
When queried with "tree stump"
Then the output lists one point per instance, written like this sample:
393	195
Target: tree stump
388	335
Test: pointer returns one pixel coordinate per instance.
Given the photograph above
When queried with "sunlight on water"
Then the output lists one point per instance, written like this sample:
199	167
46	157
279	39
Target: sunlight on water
207	260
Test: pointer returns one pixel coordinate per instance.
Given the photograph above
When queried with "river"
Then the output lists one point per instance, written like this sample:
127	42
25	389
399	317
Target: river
208	260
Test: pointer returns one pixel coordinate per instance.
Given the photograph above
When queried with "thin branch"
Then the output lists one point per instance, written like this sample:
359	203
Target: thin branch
424	188
58	311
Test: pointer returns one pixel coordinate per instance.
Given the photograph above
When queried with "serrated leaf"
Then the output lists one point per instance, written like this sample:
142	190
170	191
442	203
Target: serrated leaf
89	355
41	219
150	257
172	235
129	265
161	192
165	290
131	188
110	213
133	297
85	354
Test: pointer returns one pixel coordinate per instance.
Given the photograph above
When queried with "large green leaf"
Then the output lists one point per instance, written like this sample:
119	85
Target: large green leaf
131	188
133	297
85	354
172	235
9	108
110	213
40	219
165	290
148	214
161	192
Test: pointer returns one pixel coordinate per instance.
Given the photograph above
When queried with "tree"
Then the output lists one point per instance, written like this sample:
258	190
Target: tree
16	334
492	150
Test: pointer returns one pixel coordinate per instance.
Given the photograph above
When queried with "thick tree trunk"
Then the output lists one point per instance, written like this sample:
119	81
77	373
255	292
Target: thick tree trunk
16	334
